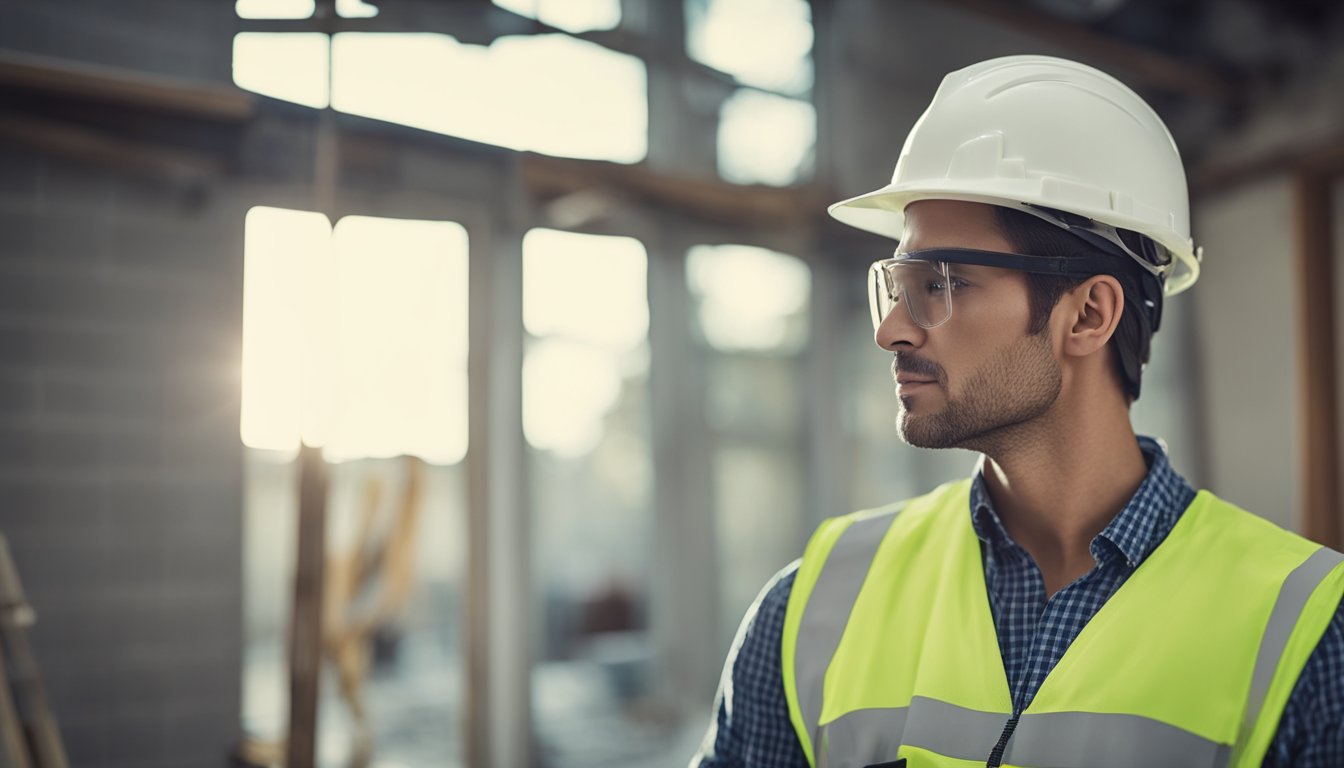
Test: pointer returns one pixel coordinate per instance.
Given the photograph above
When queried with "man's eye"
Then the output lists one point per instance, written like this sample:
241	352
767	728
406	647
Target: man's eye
938	286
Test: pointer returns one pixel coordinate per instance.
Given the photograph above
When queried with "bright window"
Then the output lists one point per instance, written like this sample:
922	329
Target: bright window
355	9
589	288
401	339
586	420
750	309
291	66
766	139
749	298
274	9
552	94
763	43
570	15
355	339
285	252
585	301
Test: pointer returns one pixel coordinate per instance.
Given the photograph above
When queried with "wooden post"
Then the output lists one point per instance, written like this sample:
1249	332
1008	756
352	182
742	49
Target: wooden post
1318	408
305	632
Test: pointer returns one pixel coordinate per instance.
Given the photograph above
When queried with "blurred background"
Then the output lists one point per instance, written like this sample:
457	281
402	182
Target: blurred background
549	287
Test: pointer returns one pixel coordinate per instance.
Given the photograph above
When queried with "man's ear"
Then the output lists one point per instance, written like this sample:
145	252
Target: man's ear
1091	314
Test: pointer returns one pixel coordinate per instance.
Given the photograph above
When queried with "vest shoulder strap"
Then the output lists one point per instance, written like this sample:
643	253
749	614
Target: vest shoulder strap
832	569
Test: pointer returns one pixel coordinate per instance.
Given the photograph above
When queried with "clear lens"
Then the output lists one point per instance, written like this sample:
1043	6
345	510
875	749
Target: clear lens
922	286
1148	252
1145	248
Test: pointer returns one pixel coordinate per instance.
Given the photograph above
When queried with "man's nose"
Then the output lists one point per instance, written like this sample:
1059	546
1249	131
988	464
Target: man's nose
898	329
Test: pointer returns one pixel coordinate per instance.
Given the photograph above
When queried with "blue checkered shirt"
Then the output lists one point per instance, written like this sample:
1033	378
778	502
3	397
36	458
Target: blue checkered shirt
752	728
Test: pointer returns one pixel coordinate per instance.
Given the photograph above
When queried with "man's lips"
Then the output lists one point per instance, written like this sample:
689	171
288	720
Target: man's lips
907	380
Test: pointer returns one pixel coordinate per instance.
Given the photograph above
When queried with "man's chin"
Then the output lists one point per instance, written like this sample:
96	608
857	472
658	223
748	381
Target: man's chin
921	431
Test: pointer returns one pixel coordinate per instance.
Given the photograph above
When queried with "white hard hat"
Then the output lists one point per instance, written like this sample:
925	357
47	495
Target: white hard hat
1046	132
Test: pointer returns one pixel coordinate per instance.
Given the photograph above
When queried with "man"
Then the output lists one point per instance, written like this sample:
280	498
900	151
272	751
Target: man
1076	602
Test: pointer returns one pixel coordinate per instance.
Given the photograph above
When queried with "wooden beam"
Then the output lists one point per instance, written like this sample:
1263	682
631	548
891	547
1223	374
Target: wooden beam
1150	67
106	149
549	178
1318	408
89	82
1322	156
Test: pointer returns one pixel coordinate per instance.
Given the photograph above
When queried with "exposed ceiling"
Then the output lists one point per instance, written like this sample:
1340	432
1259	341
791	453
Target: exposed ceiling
1206	65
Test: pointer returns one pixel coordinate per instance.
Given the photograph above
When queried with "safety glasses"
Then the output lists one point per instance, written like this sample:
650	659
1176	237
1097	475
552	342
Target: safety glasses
926	281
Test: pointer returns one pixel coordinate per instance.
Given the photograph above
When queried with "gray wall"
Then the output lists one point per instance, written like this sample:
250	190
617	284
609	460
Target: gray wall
1246	335
120	465
181	38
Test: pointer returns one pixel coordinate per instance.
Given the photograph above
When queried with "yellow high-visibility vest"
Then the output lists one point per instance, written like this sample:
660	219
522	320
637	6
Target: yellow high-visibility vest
890	651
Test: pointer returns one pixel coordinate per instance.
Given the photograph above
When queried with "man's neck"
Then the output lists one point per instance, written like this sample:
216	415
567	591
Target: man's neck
1057	489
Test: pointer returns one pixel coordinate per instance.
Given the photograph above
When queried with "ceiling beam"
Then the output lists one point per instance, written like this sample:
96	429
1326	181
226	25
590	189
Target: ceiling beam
88	82
1319	155
1152	68
550	178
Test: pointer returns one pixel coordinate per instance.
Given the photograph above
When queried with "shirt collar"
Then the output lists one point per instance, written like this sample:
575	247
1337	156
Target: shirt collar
1135	532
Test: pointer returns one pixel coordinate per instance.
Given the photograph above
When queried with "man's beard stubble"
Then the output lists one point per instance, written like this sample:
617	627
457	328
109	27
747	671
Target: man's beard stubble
1011	389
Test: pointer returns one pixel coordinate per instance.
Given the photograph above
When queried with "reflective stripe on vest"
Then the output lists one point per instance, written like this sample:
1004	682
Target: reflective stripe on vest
1050	738
832	600
1053	738
1293	596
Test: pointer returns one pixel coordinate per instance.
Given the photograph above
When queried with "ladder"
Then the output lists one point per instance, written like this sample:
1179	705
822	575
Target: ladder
28	734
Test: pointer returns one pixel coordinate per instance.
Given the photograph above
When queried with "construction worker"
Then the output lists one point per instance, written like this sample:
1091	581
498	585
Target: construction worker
1075	602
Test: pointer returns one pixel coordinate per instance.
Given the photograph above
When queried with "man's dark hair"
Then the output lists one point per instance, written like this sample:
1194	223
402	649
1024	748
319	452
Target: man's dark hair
1130	345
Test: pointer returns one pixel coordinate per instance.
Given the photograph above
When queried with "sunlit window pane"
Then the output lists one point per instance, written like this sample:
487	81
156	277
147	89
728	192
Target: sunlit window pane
362	350
587	288
424	80
543	93
586	420
569	15
586	300
357	338
572	387
355	9
274	9
546	93
284	65
766	139
582	100
749	298
750	308
401	339
765	43
285	253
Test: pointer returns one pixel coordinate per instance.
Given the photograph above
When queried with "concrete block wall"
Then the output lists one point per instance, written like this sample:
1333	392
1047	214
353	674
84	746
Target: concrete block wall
181	38
120	464
121	468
